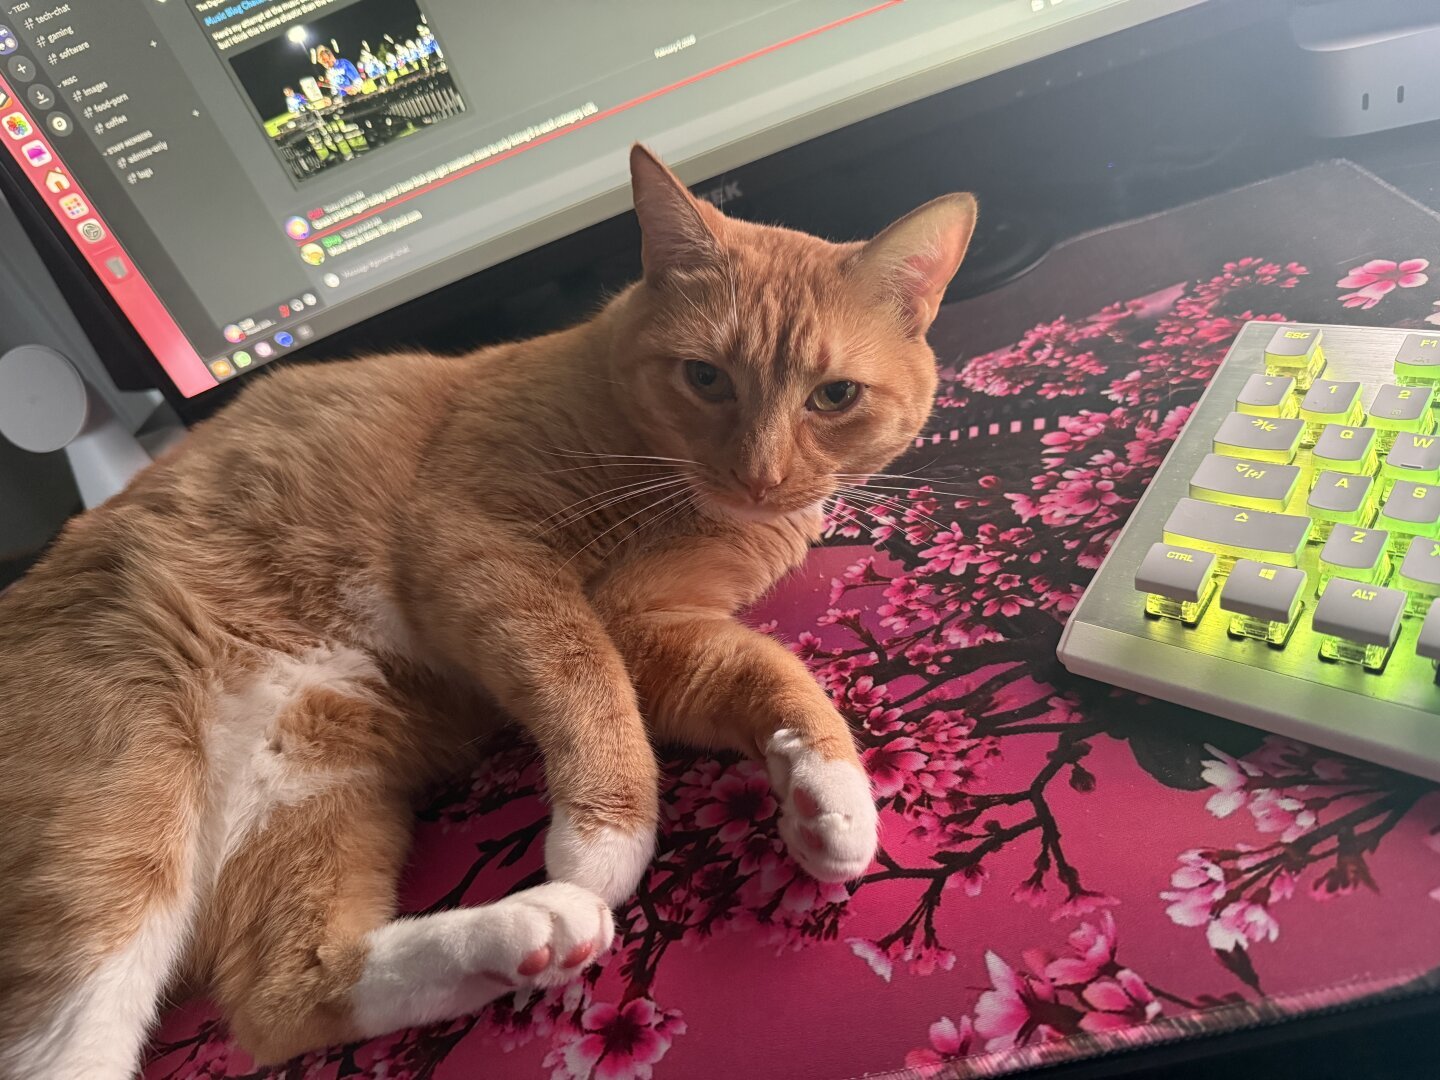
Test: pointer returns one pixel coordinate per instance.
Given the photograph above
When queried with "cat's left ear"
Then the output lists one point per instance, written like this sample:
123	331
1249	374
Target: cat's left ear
677	233
909	265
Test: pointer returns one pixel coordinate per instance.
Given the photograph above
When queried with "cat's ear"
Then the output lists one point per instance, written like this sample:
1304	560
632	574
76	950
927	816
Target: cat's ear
676	235
909	265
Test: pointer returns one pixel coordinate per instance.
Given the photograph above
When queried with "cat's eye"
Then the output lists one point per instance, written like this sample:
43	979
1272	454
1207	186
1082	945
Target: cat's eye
709	381
835	396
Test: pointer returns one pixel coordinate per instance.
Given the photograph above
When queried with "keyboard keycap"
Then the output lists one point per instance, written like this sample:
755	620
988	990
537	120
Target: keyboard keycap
1178	581
1270	594
1413	457
1231	482
1354	554
1427	645
1366	617
1341	499
1331	402
1402	408
1411	510
1175	572
1237	534
1418	361
1260	438
1296	351
1346	449
1267	395
1420	574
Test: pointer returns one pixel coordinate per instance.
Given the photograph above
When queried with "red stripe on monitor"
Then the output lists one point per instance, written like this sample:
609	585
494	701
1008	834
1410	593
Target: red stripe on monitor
601	115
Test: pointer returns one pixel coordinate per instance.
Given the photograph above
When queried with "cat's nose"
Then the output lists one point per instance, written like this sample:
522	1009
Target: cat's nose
759	484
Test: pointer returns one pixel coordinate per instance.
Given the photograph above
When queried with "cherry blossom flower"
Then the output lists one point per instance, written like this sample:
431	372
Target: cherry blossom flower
1376	279
1198	884
1018	1009
891	766
1231	776
1275	811
1121	1002
1239	925
1094	946
1031	891
875	957
948	1041
1082	902
738	801
613	1042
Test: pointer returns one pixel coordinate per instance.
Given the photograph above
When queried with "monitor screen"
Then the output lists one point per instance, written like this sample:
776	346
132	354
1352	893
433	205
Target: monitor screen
245	176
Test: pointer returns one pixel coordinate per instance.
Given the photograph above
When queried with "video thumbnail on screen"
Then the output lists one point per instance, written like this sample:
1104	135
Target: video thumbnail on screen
333	88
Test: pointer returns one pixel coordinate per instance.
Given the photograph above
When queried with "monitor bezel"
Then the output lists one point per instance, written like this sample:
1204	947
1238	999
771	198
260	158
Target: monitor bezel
133	366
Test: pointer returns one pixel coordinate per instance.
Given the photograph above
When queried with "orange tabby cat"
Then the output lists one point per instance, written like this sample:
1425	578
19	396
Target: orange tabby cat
220	692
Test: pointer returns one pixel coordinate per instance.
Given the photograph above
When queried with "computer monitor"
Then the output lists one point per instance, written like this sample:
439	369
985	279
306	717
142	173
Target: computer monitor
239	178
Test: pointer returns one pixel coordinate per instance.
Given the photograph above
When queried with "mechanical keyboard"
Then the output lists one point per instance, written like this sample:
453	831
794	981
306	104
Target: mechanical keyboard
1283	567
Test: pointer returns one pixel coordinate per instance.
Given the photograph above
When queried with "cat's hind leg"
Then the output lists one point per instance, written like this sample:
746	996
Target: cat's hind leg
305	952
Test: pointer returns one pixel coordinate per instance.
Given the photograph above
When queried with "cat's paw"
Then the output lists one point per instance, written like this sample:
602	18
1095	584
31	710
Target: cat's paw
608	861
828	819
546	936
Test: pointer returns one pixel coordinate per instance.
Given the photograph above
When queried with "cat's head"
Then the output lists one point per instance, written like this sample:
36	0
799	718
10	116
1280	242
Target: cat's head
776	364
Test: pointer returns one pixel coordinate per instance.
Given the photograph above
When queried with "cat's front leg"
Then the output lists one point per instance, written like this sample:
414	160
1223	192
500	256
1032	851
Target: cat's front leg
493	602
708	681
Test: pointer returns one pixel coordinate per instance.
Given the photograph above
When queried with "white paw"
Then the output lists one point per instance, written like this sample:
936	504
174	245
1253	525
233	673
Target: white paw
828	819
546	935
439	966
607	861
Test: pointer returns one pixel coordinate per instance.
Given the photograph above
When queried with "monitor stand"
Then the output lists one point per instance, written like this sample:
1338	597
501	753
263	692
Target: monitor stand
46	405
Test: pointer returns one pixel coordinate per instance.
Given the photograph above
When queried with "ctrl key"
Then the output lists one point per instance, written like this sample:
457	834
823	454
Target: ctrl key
1178	582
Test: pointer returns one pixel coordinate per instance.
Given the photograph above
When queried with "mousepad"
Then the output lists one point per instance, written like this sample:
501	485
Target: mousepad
1066	869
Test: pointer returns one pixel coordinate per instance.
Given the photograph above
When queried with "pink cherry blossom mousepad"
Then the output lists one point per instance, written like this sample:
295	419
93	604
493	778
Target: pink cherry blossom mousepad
1065	869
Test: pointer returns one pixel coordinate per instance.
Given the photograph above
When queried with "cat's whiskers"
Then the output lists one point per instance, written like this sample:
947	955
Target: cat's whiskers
853	521
918	473
866	480
654	504
561	451
897	516
911	500
633	493
862	501
888	505
670	512
601	494
917	495
608	465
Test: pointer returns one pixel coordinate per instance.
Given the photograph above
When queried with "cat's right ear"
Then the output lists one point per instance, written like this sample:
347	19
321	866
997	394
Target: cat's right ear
910	264
676	238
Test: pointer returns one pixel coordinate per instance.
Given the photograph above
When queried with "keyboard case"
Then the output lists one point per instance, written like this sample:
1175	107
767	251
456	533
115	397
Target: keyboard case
1391	717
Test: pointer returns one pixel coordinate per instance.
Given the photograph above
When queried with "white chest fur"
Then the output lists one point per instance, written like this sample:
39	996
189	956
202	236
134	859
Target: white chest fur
250	773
